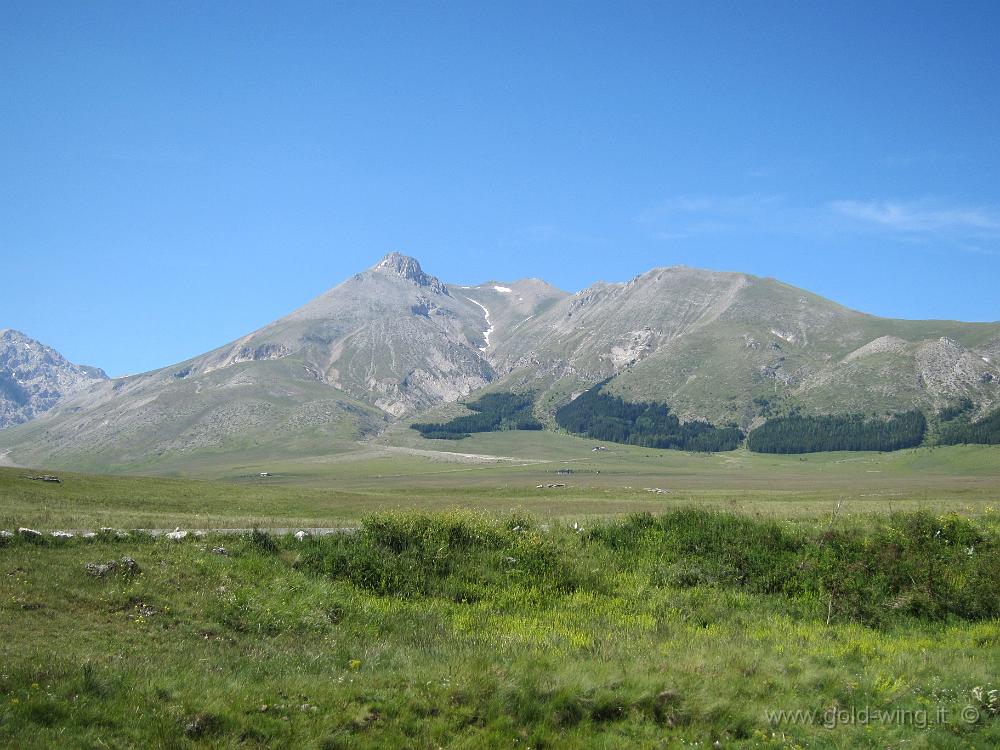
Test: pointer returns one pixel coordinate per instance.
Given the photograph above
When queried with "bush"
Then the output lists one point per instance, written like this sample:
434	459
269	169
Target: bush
451	555
263	542
911	565
916	564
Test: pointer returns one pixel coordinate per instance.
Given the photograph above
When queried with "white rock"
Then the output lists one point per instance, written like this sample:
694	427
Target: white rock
4	534
176	535
302	535
29	532
62	535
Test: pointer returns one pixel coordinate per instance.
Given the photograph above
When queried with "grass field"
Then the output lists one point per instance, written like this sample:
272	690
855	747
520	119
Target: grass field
466	631
501	472
801	584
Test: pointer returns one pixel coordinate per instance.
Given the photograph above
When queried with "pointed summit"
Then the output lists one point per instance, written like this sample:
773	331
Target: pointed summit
409	269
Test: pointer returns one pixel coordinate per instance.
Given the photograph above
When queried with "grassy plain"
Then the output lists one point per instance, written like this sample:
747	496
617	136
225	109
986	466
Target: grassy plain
493	622
466	631
501	472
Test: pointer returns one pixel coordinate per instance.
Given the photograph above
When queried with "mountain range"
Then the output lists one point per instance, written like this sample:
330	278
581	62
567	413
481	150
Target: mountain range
394	342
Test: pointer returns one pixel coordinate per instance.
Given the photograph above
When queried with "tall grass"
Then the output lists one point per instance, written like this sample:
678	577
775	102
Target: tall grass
473	630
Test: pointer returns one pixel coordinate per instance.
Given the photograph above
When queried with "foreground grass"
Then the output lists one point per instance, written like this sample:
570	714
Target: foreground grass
458	630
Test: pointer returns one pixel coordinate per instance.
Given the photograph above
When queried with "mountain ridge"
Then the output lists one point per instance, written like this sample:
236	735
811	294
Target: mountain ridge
393	342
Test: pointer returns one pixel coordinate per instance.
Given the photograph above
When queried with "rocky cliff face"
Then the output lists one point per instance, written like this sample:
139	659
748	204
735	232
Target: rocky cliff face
34	377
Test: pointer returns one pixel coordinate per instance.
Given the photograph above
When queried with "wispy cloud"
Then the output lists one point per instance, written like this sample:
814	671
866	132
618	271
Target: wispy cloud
969	228
918	218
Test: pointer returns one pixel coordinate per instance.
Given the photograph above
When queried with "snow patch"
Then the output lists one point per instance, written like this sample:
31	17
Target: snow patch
986	360
490	327
503	289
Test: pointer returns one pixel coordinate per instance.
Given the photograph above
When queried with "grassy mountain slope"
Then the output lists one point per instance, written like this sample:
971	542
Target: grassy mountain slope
709	344
272	409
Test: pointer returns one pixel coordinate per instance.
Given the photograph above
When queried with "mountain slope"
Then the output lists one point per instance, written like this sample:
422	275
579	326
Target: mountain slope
392	335
34	378
394	343
710	343
387	342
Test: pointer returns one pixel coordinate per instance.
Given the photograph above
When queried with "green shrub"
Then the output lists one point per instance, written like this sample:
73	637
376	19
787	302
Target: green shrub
915	564
261	541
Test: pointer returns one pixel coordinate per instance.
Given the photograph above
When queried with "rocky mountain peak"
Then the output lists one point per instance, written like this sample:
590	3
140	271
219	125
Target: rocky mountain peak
35	377
408	268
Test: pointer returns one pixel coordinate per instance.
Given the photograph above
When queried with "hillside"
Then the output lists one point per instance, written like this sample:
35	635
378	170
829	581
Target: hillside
394	343
709	344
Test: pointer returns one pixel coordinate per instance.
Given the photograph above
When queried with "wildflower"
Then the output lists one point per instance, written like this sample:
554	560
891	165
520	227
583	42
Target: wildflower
354	664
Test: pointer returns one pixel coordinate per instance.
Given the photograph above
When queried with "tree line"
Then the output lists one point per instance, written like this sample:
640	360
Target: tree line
602	416
494	412
838	432
985	431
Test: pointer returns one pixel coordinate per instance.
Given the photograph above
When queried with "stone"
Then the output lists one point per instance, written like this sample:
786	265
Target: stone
99	570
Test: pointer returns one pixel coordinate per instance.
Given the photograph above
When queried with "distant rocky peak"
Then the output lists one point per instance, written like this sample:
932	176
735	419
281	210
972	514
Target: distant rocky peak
16	348
409	269
35	377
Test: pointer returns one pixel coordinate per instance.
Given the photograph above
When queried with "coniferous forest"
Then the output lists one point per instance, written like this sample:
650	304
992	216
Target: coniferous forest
494	412
985	431
602	416
605	417
838	432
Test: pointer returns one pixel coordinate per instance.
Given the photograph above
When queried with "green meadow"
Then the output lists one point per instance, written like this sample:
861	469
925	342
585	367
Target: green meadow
464	630
501	472
825	601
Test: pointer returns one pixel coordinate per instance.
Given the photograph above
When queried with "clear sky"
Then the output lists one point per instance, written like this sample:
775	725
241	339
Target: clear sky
175	175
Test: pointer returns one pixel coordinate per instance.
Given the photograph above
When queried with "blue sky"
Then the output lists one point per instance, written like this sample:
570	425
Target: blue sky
175	175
